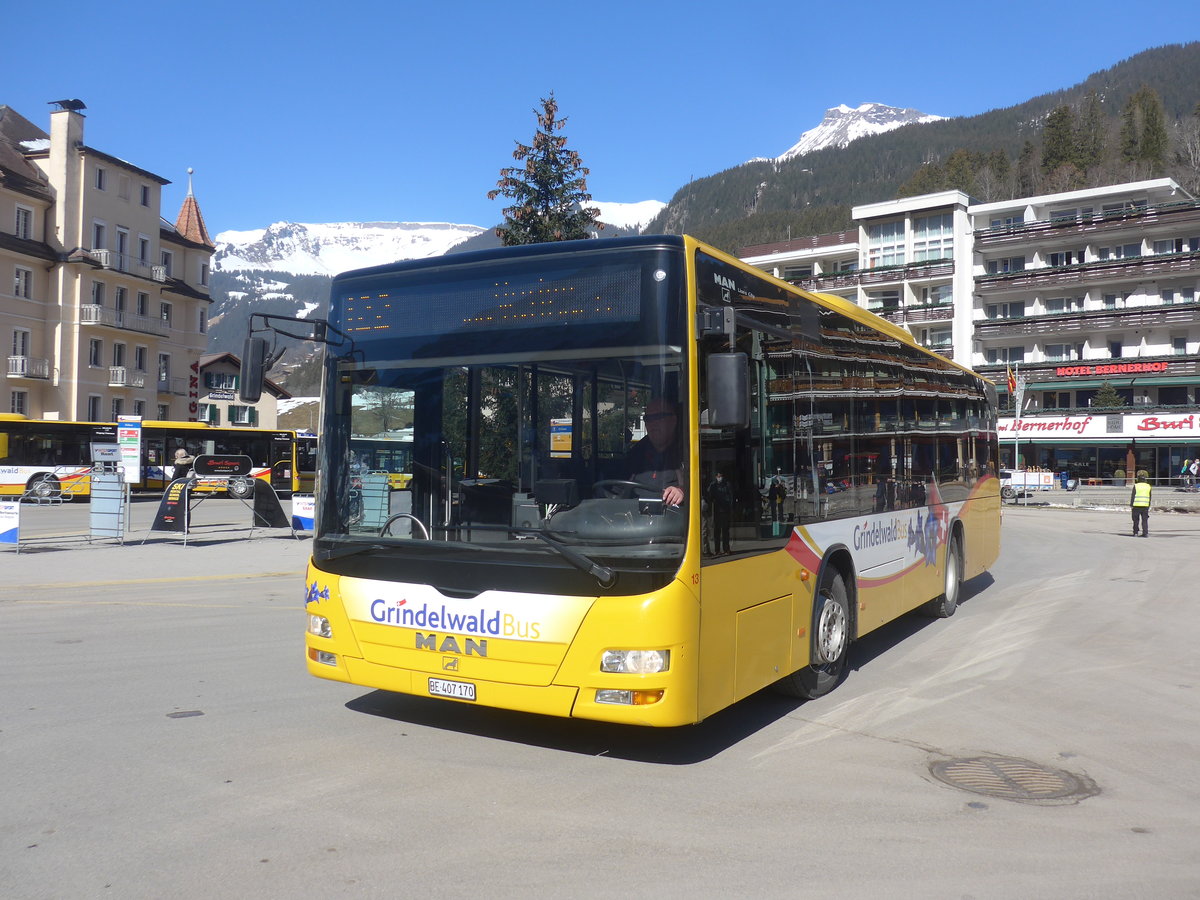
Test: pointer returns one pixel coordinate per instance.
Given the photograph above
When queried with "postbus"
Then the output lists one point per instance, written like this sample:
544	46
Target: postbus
390	455
591	582
51	458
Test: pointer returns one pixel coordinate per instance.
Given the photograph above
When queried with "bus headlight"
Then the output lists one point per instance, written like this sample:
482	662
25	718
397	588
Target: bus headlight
635	662
319	625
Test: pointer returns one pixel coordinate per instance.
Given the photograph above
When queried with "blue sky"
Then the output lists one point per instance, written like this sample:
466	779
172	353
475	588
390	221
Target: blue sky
406	111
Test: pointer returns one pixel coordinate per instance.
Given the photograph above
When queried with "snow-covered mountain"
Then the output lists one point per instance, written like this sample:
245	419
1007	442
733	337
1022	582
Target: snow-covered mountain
330	248
843	124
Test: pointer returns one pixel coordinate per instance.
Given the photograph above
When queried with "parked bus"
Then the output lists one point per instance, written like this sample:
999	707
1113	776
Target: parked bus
50	458
391	455
624	581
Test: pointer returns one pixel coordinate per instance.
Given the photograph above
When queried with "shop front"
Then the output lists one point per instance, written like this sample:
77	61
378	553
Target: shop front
1108	448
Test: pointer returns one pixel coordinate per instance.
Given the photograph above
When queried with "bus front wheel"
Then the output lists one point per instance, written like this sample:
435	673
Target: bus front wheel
831	644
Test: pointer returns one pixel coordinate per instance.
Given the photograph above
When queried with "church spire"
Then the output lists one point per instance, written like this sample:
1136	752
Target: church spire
190	223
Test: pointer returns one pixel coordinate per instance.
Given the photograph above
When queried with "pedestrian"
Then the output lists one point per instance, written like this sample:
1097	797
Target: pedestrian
1185	473
183	464
1139	504
1194	473
720	500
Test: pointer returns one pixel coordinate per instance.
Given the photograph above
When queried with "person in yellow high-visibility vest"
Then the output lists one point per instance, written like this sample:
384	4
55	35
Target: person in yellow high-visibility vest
1139	505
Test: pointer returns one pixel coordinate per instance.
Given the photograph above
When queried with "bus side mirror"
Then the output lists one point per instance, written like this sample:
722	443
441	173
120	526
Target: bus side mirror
728	387
254	369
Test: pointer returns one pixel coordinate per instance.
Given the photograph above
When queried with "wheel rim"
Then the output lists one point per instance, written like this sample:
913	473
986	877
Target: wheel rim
831	631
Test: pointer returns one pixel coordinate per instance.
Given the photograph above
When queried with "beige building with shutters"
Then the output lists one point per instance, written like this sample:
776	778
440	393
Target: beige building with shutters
104	304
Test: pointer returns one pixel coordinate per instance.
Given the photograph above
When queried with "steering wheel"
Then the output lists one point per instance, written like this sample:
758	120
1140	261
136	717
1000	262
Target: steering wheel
619	489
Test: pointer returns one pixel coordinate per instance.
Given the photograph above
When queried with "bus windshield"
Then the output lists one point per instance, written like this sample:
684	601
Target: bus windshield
551	436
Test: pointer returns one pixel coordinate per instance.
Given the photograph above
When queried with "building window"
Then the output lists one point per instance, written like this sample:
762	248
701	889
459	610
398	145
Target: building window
1179	346
98	293
1123	251
23	282
118	408
99	236
221	381
1061	258
101	178
95	352
933	237
938	295
124	186
20	343
204	274
1059	352
1008	264
1068	214
1014	310
164	412
93	407
1064	305
143	303
18	403
1113	209
167	259
139	408
210	413
885	244
145	195
164	312
119	295
996	355
164	368
204	321
939	339
24	225
796	273
242	415
883	300
1007	221
1114	349
139	359
118	354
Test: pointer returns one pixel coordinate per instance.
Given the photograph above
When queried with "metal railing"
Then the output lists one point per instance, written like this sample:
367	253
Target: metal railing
120	376
28	367
94	314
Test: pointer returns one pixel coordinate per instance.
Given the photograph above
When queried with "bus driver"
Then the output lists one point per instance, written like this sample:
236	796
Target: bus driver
656	461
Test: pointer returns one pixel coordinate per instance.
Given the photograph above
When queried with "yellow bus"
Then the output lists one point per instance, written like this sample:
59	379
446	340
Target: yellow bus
45	458
756	477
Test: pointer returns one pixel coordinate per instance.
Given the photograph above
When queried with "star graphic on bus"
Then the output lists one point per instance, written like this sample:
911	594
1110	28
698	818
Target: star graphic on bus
315	593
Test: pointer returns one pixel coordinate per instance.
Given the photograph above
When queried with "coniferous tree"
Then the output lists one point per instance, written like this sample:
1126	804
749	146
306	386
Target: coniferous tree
549	190
1058	139
1144	138
1091	134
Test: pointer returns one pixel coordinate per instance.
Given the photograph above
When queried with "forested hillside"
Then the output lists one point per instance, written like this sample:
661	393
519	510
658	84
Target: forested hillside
1137	119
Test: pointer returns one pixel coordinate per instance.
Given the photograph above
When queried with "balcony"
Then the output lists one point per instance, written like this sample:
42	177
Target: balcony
120	376
28	367
176	386
1161	315
1184	214
917	313
92	314
1135	268
933	268
124	262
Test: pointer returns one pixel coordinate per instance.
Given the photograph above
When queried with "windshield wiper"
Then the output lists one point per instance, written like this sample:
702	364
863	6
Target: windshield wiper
603	574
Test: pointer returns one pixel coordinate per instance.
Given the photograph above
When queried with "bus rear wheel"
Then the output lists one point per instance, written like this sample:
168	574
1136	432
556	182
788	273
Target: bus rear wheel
240	488
943	607
43	487
831	644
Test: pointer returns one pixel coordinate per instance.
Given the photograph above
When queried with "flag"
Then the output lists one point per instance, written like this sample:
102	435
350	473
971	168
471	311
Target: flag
1012	381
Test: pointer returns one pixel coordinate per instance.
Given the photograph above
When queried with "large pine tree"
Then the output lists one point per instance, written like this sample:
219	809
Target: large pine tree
549	190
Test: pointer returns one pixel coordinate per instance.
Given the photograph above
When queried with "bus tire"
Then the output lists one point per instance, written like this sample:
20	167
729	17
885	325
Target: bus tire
241	488
831	643
943	606
43	487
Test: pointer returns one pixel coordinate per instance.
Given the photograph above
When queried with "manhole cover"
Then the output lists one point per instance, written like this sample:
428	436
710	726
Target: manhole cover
1012	779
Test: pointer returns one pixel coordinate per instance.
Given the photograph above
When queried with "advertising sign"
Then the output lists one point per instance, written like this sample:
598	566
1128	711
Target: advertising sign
10	522
222	465
129	439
